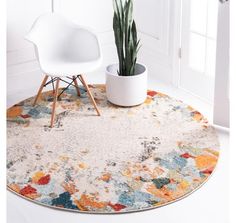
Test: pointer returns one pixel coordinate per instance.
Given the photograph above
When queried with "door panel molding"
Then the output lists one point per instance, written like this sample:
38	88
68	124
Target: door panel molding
221	100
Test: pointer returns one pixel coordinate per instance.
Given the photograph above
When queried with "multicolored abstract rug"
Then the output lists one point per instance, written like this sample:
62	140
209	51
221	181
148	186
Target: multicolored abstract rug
129	159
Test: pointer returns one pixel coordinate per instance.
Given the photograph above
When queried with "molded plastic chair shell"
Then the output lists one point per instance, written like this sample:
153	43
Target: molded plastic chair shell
64	48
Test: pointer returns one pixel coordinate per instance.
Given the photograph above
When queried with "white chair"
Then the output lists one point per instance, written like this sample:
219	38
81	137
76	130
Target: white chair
64	50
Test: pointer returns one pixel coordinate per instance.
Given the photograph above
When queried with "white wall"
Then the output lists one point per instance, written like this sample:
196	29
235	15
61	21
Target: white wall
23	74
155	22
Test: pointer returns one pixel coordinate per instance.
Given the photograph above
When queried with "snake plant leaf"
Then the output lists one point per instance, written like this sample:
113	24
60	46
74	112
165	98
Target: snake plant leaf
128	36
125	33
128	20
118	39
129	11
134	31
117	7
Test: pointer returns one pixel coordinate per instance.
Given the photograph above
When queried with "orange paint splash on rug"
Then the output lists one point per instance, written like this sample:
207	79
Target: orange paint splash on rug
14	112
106	177
160	193
197	116
88	201
15	187
80	206
205	161
70	187
148	101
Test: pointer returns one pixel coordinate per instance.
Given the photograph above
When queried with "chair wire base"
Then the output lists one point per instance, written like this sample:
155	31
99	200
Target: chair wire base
64	89
57	96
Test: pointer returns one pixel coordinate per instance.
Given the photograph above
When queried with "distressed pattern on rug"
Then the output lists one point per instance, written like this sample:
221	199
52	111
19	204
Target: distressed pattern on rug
128	159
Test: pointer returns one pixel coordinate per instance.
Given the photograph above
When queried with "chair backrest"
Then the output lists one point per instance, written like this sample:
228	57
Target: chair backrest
58	38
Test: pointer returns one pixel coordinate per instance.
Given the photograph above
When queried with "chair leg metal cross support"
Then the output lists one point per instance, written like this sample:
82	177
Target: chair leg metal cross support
56	89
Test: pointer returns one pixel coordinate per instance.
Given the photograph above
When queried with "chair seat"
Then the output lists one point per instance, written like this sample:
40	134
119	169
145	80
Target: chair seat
67	68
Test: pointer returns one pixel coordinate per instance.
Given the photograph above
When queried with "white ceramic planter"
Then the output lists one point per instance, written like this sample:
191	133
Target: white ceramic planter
126	90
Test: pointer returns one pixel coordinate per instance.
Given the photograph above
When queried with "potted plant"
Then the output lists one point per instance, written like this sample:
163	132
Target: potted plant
126	82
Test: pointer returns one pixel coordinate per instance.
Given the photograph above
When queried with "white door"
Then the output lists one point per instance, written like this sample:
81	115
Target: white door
221	102
198	47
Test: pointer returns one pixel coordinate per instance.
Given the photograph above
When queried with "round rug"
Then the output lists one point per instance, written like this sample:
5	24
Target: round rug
128	159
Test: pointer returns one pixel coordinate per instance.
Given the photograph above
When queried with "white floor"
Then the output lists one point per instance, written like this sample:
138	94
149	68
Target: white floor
206	205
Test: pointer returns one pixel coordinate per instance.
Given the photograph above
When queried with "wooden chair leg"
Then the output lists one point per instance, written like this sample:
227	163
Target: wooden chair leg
54	102
40	89
90	94
76	85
